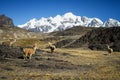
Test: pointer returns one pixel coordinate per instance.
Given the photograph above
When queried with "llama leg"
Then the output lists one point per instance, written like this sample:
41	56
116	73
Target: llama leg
52	50
110	53
30	56
25	56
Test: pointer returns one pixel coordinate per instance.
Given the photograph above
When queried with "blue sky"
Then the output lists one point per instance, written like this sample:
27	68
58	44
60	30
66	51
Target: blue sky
22	11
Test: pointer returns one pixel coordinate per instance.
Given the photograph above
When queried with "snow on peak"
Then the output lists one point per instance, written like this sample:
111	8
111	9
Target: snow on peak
33	20
98	20
111	23
29	24
69	15
62	22
57	19
95	22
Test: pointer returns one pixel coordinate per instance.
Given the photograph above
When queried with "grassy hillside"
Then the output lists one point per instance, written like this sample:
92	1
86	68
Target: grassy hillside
64	63
70	35
15	32
42	42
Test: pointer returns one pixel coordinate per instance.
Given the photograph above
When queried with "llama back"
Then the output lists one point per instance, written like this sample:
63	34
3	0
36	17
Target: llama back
29	50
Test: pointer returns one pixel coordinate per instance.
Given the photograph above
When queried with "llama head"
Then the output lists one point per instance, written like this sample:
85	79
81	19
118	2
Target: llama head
35	46
49	43
108	46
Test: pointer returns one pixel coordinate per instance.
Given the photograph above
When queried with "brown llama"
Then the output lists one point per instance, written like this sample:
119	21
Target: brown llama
110	50
9	42
52	47
28	52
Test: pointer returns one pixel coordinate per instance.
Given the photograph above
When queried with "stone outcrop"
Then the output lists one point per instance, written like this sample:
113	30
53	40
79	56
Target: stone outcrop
6	21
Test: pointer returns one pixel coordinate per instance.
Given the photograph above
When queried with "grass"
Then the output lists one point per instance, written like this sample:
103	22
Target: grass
41	42
100	65
63	64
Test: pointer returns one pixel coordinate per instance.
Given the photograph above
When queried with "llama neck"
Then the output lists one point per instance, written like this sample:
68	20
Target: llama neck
108	47
35	48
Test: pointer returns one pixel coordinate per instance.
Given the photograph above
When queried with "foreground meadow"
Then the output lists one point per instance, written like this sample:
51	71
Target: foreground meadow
63	64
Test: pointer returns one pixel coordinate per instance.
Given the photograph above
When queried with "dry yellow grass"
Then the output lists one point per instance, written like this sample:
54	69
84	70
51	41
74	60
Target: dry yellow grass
75	64
104	66
42	43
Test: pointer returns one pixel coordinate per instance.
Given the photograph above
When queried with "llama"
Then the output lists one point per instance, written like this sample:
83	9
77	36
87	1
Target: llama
12	42
9	42
28	52
52	47
6	42
110	50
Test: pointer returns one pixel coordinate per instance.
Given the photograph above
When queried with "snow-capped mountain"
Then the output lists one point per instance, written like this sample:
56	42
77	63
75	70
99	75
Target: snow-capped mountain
111	22
65	21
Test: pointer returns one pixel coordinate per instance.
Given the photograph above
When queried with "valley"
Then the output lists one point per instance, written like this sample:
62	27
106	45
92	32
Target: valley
64	64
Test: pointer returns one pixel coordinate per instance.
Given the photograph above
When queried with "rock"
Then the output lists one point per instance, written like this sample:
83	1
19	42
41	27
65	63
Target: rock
10	52
6	21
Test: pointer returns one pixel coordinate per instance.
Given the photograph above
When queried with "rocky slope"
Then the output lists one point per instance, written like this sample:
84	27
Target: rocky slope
98	39
71	34
6	21
8	30
77	30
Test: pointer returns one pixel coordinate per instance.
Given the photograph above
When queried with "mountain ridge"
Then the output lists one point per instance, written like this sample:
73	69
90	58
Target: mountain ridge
68	20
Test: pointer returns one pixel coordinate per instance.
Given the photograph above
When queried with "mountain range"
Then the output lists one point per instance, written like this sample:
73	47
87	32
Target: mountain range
68	20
